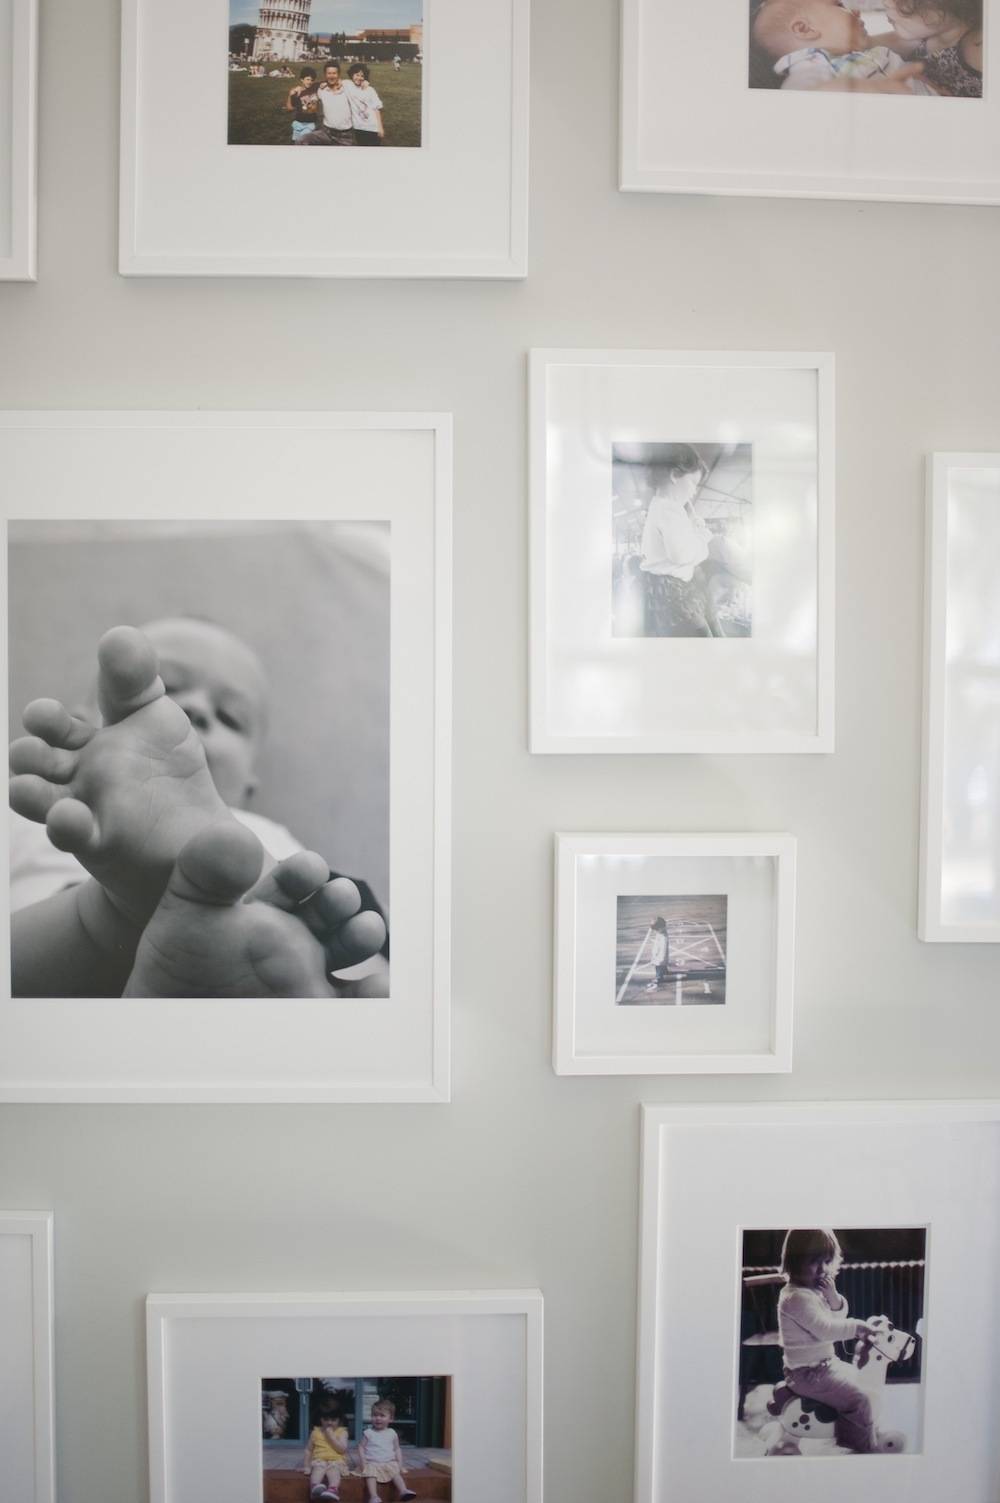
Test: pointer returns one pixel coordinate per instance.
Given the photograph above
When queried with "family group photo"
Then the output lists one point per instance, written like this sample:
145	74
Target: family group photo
671	950
325	73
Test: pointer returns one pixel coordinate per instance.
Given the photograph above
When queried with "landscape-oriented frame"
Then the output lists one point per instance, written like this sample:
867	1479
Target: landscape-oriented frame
18	257
28	1446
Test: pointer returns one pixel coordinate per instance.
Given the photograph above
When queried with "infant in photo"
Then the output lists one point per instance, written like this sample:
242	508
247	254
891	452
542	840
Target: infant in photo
821	44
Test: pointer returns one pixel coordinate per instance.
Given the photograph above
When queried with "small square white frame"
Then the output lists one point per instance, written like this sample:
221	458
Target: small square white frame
707	1172
19	128
611	379
568	1058
27	1427
709	132
204	1444
943	474
457	206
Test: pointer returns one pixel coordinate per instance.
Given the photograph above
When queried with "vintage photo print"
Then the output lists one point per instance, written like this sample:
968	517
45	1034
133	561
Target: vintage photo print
682	538
199	714
671	951
928	48
831	1341
325	73
356	1439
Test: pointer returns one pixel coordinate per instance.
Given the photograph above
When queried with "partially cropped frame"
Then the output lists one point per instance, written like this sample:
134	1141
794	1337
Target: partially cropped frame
18	130
27	1426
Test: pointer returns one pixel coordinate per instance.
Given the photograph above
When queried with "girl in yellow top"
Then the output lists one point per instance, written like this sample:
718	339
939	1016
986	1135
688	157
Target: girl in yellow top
326	1457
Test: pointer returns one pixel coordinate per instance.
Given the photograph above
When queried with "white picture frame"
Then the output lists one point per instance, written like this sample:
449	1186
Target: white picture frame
18	118
489	1343
608	891
27	1427
710	1171
76	466
596	687
455	207
960	804
783	142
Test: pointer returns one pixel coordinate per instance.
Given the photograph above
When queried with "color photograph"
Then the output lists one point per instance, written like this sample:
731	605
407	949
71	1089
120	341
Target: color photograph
671	951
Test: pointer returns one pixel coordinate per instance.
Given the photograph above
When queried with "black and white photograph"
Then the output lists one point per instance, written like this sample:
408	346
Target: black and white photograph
325	73
682	520
831	1342
356	1440
199	714
671	951
915	48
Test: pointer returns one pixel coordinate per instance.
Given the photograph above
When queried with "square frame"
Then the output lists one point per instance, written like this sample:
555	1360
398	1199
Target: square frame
597	382
186	1338
570	850
27	1425
140	1054
448	192
939	748
19	90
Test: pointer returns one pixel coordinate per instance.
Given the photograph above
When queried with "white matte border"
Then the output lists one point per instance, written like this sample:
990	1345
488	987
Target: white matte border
28	1445
19	262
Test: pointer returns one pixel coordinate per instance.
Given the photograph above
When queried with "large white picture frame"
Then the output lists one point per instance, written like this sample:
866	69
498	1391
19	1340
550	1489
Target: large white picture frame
27	1429
708	1174
18	138
960	824
207	1354
619	656
456	207
230	473
709	132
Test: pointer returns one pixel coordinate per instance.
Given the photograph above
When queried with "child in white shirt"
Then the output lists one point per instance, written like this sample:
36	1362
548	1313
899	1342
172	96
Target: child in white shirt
366	108
379	1450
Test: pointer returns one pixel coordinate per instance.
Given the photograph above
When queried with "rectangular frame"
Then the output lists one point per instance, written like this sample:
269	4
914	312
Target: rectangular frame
141	1056
27	1426
304	1326
917	1154
939	608
18	187
441	188
714	107
606	365
569	849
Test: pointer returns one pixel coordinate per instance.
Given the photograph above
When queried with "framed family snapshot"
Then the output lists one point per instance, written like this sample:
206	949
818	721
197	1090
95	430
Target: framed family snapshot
882	99
216	189
228	689
27	1431
960	834
804	1271
282	1398
18	133
681	551
674	954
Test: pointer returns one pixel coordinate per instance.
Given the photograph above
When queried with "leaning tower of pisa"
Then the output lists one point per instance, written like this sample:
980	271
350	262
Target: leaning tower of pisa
282	29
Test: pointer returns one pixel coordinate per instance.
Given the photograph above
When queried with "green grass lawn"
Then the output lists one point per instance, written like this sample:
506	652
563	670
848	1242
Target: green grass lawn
257	115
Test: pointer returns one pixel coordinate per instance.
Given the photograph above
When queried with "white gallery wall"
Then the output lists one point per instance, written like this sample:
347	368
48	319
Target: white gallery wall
525	1179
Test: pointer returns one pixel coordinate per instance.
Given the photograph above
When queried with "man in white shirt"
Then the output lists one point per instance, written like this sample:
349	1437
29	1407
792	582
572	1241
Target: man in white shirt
335	107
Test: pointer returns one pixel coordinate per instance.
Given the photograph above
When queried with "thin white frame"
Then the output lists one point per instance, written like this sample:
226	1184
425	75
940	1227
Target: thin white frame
162	1309
510	261
37	1226
635	176
822	741
568	848
20	264
931	926
657	1121
436	1089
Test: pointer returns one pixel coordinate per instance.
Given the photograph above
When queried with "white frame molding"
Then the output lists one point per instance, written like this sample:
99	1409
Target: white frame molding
568	849
37	1226
20	265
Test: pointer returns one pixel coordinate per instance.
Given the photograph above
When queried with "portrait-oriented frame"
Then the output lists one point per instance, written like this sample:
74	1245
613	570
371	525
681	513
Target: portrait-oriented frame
228	466
191	205
710	1172
18	132
591	692
710	133
207	1353
961	647
27	1431
704	1039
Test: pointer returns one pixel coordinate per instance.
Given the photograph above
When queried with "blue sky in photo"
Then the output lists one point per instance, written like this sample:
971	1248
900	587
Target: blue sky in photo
341	15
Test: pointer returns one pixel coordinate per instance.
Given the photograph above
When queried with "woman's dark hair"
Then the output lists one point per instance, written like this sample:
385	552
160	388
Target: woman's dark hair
801	1246
660	925
969	11
308	73
681	457
357	68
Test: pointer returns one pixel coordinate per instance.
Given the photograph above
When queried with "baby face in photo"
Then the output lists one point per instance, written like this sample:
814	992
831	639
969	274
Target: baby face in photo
785	26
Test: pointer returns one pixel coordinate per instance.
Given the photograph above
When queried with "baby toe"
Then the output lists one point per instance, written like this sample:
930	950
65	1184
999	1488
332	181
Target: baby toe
358	939
32	796
294	879
53	723
32	754
336	901
128	676
71	826
218	865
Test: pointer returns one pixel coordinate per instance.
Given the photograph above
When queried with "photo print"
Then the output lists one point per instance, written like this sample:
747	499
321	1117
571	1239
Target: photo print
356	1439
831	1341
931	48
200	758
671	951
325	73
682	521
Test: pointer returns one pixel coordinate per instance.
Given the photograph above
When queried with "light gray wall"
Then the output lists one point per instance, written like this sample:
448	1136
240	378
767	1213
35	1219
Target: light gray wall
525	1179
